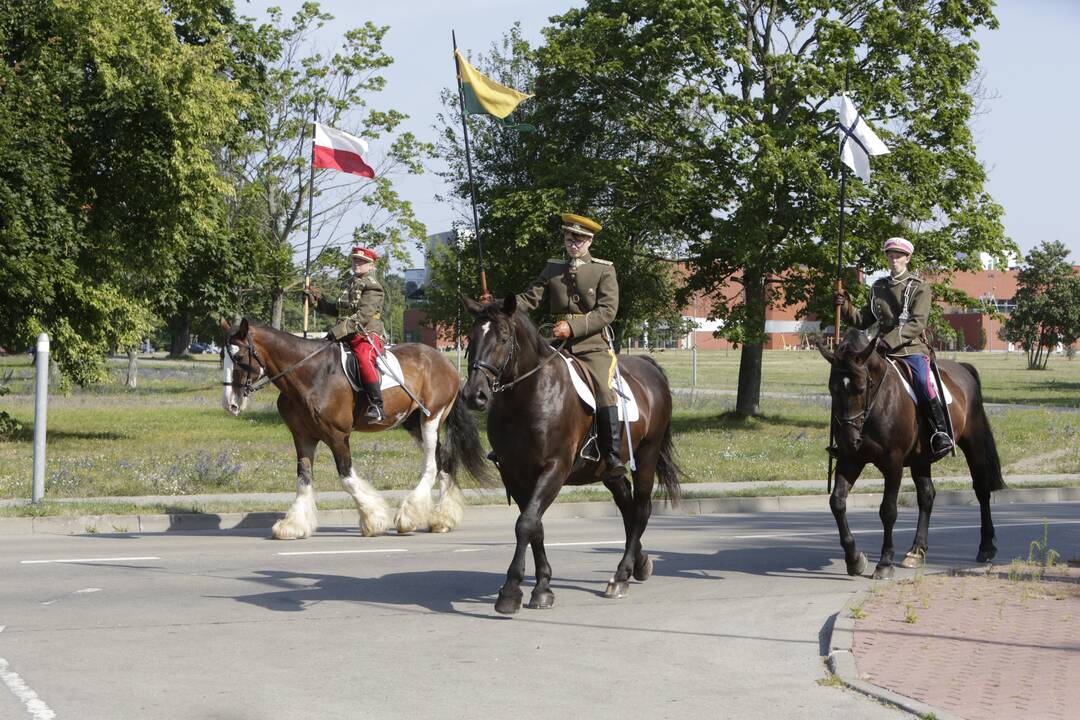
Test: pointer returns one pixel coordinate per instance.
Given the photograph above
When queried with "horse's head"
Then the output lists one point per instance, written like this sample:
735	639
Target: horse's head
854	381
491	349
243	366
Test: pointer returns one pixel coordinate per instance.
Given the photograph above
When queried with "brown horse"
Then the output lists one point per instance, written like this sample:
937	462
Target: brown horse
875	422
318	404
537	426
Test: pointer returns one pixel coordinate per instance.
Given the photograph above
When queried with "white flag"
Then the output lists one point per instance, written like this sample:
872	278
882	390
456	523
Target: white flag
857	141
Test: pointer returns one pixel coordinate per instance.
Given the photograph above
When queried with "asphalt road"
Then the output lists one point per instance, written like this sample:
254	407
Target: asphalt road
236	626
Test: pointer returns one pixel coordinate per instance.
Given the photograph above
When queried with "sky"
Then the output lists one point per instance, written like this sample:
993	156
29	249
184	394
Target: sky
1023	133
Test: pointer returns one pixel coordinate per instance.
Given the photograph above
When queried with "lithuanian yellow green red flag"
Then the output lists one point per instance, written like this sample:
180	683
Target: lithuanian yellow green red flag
484	96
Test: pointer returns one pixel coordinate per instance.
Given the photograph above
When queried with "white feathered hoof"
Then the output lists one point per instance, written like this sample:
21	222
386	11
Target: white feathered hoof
449	512
413	514
376	521
288	528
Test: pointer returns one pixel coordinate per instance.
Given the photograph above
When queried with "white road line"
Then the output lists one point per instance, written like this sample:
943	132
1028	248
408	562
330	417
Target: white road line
89	560
345	552
897	528
34	705
591	542
467	550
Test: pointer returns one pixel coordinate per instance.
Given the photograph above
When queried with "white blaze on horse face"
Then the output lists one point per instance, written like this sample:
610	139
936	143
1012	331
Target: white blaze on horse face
231	399
485	329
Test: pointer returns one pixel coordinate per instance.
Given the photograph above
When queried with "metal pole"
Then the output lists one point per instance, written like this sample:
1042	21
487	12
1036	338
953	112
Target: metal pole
693	374
310	204
41	403
484	294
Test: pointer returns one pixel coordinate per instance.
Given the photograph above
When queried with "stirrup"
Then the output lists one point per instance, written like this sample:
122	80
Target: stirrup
940	443
374	412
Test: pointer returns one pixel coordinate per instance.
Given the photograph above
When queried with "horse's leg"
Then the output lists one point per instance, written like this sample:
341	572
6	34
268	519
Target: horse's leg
415	511
619	585
924	491
975	453
530	530
847	472
374	512
301	520
887	512
450	510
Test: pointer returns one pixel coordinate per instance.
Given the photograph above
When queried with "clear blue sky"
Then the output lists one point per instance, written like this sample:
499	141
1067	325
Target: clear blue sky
1024	136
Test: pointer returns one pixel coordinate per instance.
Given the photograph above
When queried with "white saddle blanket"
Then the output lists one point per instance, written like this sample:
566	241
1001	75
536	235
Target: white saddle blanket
586	394
943	389
391	369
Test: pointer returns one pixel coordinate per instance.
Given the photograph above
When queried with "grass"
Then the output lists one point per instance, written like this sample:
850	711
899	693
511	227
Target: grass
170	437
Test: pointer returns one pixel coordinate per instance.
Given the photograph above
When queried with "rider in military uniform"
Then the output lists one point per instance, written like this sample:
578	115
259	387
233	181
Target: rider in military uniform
359	312
583	295
900	304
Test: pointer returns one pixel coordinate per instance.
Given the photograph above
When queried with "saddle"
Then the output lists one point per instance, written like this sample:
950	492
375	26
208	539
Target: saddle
351	366
904	371
585	384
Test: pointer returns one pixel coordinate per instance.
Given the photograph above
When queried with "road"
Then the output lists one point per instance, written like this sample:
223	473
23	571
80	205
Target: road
236	626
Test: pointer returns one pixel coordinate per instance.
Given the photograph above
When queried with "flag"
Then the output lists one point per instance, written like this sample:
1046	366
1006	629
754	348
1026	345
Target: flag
857	141
340	151
484	96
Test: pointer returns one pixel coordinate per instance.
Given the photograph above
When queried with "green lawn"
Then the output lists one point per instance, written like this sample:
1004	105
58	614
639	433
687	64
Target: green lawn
171	437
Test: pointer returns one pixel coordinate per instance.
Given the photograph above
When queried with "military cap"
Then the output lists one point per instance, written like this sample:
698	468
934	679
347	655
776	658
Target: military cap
580	225
363	252
898	244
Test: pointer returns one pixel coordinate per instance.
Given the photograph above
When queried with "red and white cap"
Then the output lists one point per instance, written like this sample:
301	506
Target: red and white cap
363	252
899	244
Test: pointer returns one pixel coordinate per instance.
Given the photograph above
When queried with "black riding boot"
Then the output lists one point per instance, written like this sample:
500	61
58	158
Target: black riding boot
374	393
609	438
940	442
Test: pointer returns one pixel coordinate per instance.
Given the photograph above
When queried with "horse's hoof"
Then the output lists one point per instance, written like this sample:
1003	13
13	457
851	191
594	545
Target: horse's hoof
439	529
912	560
508	603
643	571
617	589
985	556
541	600
858	567
288	531
884	572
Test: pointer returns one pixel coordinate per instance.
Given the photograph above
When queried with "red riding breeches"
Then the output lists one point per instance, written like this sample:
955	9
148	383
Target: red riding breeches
365	355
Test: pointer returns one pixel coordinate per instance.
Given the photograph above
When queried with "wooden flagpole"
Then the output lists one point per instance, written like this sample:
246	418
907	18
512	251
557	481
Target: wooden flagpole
485	296
311	200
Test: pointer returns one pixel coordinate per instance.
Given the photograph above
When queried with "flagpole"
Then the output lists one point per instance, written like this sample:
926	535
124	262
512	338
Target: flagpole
310	204
839	289
484	294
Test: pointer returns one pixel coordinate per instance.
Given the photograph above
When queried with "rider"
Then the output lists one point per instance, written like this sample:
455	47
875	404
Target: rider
583	295
359	312
900	304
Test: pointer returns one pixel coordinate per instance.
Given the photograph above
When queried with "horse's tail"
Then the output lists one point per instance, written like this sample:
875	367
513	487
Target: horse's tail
667	467
978	414
463	448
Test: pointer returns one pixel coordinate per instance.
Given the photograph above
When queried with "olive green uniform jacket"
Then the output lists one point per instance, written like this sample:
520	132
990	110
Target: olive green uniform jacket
901	307
358	307
585	293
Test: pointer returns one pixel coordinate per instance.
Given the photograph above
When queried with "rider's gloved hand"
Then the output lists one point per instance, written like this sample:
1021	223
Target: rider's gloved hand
561	331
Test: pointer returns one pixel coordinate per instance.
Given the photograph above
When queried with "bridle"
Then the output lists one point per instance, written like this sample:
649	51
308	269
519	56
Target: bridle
493	375
861	417
247	388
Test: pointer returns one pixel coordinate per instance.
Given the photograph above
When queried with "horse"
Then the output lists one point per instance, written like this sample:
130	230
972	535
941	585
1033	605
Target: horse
876	422
537	426
317	404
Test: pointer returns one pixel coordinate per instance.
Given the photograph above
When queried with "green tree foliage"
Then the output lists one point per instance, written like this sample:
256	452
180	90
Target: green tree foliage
524	180
1047	304
708	129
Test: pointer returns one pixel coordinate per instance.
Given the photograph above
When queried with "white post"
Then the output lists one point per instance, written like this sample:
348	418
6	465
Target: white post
41	403
693	374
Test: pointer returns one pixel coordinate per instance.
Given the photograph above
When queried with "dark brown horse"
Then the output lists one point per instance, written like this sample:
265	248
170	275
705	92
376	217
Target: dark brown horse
318	404
537	425
875	422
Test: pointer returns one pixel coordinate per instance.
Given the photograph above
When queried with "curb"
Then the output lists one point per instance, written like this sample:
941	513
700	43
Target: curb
124	524
841	661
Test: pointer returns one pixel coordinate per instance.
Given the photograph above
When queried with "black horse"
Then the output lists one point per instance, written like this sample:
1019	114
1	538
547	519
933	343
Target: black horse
537	425
876	423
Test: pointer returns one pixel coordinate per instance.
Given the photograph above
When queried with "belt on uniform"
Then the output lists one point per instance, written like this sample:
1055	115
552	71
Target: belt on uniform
570	316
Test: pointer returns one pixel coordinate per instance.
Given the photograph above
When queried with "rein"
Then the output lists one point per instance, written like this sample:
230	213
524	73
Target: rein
495	373
246	387
861	417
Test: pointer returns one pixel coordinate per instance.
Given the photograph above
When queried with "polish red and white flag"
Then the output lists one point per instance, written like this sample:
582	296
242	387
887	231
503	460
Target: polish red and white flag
340	151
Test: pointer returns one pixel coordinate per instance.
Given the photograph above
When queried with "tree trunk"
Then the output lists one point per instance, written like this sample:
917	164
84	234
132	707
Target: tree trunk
181	335
133	368
748	401
277	308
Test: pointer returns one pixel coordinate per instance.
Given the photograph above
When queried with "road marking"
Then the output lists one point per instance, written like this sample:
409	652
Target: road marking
897	528
591	542
88	560
467	550
87	590
34	705
345	552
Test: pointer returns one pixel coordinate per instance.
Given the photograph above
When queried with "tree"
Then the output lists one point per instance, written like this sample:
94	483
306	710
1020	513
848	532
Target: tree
525	180
708	128
1047	304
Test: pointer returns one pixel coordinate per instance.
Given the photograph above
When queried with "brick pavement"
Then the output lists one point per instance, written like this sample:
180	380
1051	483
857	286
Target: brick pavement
979	646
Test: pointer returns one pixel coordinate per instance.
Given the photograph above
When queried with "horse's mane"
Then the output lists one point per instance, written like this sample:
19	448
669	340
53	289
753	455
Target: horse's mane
854	342
494	310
